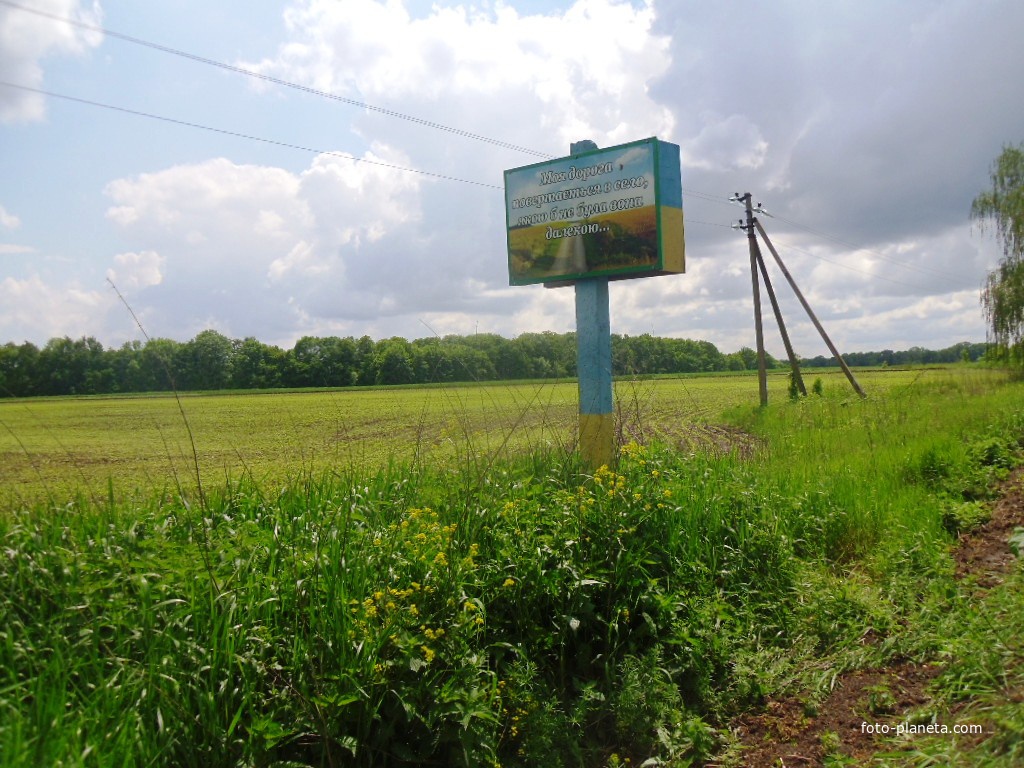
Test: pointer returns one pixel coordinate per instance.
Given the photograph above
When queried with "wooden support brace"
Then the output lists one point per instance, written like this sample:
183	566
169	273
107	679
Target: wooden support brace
810	312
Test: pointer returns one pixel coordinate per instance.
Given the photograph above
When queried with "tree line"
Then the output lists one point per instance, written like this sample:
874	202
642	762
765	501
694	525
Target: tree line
962	352
212	361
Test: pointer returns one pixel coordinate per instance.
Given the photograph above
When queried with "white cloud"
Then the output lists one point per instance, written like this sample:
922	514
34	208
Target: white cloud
571	75
34	308
8	220
725	144
841	118
248	244
136	270
11	249
181	199
26	38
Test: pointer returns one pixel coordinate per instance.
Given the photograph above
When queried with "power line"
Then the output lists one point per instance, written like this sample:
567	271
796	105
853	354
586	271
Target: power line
855	247
707	196
238	135
848	267
380	110
304	89
272	142
707	223
344	155
273	80
947	276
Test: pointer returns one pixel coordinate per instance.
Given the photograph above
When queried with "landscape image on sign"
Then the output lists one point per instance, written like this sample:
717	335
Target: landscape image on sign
583	215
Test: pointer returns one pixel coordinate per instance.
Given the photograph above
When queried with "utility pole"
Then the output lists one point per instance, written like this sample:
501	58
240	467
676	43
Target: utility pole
752	227
755	255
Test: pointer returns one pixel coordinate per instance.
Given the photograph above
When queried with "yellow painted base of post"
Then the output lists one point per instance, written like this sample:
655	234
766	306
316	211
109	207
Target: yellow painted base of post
597	439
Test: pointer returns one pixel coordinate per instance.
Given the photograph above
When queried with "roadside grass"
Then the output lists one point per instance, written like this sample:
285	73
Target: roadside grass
506	608
980	641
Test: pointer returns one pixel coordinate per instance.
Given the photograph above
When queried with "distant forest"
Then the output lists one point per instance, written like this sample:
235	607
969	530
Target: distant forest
212	361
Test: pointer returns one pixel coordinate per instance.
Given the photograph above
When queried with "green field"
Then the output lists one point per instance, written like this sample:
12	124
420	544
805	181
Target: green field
426	576
63	447
56	446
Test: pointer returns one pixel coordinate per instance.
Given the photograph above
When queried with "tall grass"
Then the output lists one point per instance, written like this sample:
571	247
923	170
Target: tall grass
511	611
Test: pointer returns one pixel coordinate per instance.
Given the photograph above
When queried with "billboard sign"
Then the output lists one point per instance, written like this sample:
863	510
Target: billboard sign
615	212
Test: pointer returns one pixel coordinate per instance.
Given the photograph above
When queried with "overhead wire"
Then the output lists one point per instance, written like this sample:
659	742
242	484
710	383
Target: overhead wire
707	223
710	197
947	276
272	142
271	79
707	196
260	76
855	247
239	135
440	176
292	85
845	266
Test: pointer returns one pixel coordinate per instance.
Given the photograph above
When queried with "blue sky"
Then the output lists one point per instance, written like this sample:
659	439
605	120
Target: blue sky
866	128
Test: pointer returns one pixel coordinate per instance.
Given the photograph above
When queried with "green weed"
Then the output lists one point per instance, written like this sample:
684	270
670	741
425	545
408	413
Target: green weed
506	607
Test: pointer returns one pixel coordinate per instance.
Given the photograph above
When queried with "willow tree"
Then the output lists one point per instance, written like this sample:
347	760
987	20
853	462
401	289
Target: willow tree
1002	208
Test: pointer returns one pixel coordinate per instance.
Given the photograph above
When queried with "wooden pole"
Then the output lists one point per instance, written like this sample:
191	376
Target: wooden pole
762	372
810	312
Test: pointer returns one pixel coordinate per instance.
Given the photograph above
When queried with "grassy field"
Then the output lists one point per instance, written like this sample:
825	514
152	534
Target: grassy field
63	447
427	577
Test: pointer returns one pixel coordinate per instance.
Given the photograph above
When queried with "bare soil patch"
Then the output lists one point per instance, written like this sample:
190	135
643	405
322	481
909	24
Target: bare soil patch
786	735
984	553
789	732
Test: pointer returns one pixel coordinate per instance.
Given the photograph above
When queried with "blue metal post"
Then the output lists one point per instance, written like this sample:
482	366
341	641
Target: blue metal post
594	368
594	362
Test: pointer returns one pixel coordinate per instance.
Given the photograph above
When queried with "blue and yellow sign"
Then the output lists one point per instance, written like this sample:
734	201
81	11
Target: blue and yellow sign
615	212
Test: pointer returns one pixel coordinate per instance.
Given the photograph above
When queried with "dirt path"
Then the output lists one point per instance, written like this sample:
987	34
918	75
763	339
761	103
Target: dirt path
985	554
786	734
570	258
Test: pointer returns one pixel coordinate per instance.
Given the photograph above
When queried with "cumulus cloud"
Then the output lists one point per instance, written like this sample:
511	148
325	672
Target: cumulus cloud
136	270
865	128
254	243
725	143
35	309
14	249
27	38
8	220
575	74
